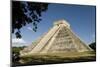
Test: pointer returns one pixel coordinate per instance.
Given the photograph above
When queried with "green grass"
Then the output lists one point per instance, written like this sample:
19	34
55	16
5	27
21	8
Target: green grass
53	58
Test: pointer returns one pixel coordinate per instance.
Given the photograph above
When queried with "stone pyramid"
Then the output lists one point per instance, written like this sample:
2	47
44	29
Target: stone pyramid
59	39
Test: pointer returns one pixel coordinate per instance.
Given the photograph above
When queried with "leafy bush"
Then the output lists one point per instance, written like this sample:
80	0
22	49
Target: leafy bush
93	46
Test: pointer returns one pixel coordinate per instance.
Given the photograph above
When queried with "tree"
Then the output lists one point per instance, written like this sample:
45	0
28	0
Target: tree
93	46
16	54
24	12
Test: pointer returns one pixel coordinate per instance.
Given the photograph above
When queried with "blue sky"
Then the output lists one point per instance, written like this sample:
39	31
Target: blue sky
81	18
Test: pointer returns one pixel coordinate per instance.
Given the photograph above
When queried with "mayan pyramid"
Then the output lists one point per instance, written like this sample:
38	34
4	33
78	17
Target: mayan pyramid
59	39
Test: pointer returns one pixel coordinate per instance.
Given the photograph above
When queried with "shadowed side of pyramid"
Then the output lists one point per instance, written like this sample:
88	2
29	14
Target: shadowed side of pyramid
59	39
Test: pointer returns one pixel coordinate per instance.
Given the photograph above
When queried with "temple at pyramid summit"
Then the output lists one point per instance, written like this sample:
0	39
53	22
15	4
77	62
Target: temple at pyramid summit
59	39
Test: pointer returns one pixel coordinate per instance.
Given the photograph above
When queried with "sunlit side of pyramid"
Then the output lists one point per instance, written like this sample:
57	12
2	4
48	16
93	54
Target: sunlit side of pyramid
59	39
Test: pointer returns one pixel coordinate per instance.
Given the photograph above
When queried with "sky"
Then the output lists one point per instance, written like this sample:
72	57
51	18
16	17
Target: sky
82	20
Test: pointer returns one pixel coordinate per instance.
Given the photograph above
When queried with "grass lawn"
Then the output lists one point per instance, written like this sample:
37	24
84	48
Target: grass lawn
53	58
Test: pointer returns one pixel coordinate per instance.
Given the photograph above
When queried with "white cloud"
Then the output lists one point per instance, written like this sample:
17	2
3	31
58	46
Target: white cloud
18	42
29	28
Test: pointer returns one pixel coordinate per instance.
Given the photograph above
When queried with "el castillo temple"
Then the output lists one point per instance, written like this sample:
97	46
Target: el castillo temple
59	39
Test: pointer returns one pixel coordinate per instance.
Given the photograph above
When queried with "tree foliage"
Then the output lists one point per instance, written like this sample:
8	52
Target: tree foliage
16	54
24	12
93	46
